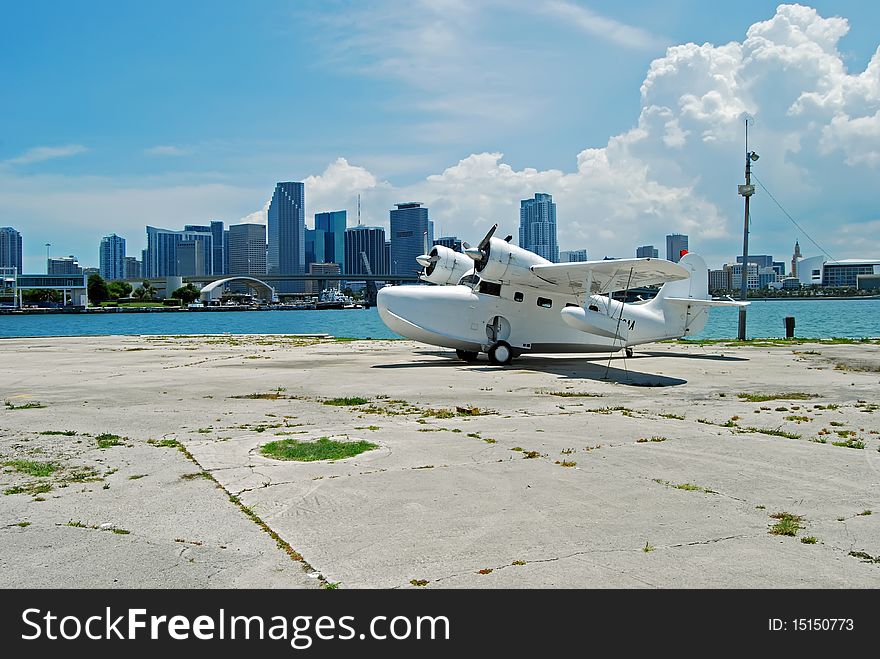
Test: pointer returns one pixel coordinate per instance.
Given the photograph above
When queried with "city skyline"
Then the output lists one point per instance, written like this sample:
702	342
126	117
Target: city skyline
661	153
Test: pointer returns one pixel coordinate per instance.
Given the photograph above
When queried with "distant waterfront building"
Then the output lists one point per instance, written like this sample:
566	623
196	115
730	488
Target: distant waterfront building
324	269
537	226
192	259
217	245
247	249
371	241
761	260
225	239
133	270
647	252
64	265
779	266
573	256
286	232
111	257
332	224
452	242
795	258
846	273
409	226
161	259
719	280
676	243
752	282
10	249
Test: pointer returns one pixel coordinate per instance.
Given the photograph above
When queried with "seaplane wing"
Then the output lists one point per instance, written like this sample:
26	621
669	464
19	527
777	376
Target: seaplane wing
609	276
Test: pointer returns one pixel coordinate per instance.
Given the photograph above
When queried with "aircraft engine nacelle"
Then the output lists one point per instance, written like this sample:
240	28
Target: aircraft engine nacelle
502	261
447	266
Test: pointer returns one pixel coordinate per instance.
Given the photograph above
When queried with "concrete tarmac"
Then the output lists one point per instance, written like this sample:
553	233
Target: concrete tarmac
557	471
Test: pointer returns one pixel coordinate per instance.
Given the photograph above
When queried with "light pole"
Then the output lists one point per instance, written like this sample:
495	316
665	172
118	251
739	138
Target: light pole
746	191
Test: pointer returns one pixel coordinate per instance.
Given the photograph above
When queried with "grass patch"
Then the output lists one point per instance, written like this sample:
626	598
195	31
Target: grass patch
797	419
688	487
29	488
775	432
163	443
485	570
26	406
865	513
106	440
366	428
269	395
198	474
419	583
643	440
321	449
809	540
865	556
531	455
65	433
648	548
850	443
136	477
787	524
669	415
347	401
32	468
762	398
22	524
567	463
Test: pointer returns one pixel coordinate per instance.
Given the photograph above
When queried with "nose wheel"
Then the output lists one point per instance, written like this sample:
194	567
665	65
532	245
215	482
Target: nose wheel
500	354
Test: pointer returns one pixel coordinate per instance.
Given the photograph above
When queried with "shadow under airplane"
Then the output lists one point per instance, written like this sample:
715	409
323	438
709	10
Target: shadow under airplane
592	367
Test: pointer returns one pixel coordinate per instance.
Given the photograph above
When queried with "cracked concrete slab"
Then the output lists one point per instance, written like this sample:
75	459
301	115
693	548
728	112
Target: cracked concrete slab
572	472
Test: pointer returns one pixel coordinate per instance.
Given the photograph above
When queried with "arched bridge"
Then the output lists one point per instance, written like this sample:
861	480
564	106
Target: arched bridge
214	290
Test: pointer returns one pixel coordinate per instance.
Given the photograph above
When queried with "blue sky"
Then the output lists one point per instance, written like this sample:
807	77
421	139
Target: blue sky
115	115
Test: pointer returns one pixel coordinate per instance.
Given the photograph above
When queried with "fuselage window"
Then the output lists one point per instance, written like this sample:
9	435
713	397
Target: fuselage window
545	302
593	307
571	304
517	297
490	288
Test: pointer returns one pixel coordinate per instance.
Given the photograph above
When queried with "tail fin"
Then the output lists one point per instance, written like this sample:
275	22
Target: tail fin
696	286
682	317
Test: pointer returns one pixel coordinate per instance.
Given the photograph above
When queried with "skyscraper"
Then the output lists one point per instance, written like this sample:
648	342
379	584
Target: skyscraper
647	252
111	257
64	265
133	269
452	242
247	249
371	241
409	225
795	258
217	256
333	225
192	259
160	257
10	248
286	229
573	256
537	226
675	244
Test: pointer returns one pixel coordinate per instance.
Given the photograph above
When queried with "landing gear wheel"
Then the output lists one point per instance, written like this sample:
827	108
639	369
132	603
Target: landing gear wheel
628	352
500	354
467	355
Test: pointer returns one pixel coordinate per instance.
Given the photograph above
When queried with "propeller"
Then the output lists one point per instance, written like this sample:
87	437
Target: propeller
480	253
428	261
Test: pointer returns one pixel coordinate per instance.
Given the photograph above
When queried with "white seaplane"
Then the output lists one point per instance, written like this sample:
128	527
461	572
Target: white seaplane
506	301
